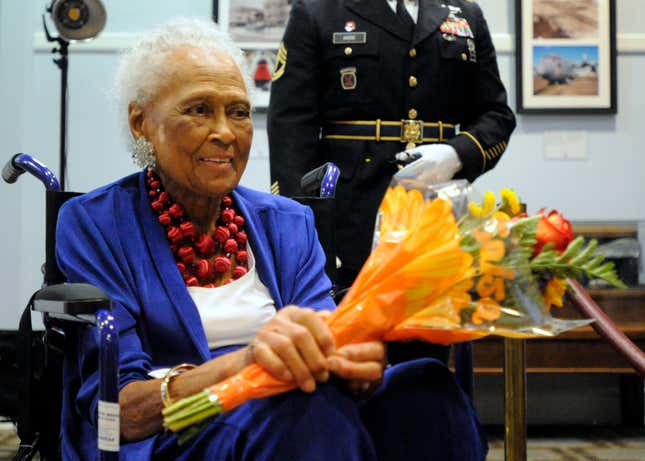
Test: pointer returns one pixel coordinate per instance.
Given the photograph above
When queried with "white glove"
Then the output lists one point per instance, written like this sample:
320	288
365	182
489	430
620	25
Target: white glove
432	163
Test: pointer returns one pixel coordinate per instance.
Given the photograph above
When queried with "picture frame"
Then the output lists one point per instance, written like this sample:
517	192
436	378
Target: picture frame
253	23
257	27
566	56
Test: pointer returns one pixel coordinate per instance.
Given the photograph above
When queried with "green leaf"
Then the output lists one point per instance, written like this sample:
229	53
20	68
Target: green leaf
573	248
585	254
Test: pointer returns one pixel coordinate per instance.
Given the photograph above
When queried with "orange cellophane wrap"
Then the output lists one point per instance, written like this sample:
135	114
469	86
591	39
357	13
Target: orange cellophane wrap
418	260
253	382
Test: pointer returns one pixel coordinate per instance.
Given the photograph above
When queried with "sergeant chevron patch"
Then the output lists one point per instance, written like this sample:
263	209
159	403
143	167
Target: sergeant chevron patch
280	63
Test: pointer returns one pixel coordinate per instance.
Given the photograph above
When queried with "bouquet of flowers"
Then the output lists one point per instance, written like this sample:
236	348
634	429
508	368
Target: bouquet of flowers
444	268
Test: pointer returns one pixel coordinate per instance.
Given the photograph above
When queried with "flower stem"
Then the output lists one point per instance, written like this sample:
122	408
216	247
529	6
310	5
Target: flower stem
191	410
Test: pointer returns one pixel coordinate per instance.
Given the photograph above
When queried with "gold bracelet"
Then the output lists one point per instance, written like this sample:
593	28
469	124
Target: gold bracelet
165	382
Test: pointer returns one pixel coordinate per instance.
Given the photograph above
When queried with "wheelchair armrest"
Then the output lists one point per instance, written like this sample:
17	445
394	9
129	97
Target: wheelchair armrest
71	301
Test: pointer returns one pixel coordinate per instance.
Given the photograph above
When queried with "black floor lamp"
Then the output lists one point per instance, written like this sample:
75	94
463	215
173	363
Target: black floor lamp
75	20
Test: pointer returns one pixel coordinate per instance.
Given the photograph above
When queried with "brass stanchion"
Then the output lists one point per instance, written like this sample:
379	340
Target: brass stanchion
515	399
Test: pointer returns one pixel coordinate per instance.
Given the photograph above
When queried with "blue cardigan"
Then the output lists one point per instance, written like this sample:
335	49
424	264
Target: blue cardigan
111	238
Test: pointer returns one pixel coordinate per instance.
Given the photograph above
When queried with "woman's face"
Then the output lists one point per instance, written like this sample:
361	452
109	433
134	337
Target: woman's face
199	123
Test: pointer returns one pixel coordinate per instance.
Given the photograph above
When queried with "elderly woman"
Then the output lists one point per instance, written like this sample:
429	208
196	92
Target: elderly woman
207	272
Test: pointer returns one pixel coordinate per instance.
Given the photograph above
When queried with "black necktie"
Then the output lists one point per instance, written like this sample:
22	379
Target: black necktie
402	12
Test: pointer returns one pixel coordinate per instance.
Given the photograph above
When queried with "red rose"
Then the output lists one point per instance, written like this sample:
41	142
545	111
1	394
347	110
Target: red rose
553	228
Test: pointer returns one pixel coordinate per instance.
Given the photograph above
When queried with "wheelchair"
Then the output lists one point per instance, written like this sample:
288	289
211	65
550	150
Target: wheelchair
66	306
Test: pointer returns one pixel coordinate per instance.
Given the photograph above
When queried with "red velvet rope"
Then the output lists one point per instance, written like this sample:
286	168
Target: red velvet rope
605	327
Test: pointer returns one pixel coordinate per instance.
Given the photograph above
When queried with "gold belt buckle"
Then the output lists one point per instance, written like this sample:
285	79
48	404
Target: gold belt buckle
411	132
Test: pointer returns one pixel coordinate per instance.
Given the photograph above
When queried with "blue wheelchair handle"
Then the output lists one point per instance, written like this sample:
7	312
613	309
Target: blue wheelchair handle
108	418
328	183
25	163
321	181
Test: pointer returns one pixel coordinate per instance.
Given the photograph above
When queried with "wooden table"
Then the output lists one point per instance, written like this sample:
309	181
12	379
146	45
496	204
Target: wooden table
582	350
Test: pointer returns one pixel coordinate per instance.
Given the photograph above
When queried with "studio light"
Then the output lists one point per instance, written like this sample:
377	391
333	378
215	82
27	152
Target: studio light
75	21
78	20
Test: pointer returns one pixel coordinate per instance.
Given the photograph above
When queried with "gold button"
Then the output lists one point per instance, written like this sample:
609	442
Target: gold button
412	53
412	114
412	81
464	56
348	51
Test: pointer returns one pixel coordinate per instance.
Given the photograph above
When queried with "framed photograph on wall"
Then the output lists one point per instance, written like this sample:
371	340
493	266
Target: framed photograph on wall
253	22
261	63
257	27
566	56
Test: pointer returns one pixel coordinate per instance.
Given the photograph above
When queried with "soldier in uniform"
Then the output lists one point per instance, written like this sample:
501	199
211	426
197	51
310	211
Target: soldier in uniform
357	82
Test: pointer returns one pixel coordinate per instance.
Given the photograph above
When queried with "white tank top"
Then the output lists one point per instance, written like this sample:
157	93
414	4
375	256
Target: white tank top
231	314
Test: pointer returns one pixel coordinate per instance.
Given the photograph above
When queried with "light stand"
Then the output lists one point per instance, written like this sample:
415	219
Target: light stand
62	63
75	20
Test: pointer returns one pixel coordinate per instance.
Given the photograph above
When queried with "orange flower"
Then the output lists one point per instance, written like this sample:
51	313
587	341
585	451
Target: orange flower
489	285
502	224
487	310
554	292
490	254
482	236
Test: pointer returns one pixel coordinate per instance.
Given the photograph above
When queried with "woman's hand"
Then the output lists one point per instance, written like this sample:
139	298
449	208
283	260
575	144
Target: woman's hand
294	344
362	364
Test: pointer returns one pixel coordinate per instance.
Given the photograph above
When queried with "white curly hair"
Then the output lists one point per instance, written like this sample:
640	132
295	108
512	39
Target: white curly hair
142	68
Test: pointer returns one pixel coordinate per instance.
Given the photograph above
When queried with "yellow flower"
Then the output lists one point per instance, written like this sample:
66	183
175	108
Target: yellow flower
511	199
489	203
475	210
554	292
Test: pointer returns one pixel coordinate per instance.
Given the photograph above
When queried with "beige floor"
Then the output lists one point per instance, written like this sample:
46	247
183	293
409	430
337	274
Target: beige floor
565	445
578	444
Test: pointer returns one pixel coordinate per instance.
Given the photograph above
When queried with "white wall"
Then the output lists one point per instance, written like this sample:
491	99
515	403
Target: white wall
607	186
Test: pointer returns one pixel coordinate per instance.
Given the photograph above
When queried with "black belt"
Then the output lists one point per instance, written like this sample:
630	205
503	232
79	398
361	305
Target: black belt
411	132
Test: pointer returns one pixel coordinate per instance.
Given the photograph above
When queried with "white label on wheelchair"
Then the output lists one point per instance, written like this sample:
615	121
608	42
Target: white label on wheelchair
108	426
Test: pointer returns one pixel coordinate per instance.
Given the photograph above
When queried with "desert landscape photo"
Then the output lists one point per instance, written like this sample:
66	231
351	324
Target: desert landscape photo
565	19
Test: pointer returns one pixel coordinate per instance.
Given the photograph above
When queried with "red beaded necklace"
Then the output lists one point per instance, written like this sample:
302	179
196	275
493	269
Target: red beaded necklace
201	259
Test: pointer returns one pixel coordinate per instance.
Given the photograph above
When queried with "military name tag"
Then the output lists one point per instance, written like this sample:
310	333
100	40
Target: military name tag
348	38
